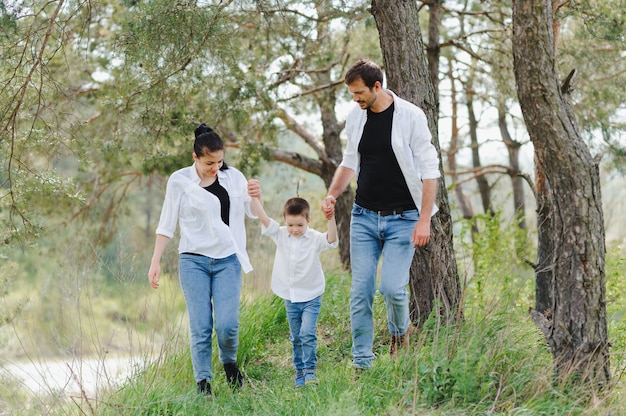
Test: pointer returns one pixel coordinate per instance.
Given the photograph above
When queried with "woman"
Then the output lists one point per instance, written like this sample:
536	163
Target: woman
208	200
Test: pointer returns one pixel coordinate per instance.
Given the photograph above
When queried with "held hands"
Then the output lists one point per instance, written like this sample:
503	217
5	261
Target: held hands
254	188
328	206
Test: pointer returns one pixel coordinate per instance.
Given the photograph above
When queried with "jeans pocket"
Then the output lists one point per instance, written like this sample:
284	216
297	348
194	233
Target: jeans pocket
357	210
412	215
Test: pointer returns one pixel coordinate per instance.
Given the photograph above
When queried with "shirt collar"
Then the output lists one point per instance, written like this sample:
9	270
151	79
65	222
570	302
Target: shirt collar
305	234
193	174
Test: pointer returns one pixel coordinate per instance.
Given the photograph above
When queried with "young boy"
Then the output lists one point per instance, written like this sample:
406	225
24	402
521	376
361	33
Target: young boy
298	277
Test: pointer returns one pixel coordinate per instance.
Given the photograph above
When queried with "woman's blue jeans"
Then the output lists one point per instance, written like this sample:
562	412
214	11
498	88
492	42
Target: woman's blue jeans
212	289
302	317
373	236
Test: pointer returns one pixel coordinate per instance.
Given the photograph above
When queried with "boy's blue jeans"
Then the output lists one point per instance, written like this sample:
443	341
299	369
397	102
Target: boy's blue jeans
212	290
373	236
302	317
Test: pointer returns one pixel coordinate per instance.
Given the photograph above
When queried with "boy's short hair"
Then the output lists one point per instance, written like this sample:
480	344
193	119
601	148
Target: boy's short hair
297	206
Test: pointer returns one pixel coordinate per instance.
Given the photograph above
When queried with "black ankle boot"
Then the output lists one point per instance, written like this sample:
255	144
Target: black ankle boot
233	375
204	387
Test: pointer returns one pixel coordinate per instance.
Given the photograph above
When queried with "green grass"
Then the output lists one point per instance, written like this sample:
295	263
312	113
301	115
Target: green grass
495	364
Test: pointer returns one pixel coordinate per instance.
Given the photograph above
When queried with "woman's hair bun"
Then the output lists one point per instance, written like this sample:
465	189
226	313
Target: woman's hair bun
202	128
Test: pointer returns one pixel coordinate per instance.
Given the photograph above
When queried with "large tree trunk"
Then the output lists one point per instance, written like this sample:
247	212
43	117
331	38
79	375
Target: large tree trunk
433	49
570	309
434	274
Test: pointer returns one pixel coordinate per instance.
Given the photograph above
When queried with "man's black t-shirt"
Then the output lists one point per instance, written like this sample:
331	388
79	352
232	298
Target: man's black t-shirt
380	185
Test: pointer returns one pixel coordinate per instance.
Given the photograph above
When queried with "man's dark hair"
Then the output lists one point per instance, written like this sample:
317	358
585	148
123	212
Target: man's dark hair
297	206
366	70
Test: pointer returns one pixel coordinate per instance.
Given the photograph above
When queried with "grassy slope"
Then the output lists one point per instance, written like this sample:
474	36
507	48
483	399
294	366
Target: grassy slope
493	363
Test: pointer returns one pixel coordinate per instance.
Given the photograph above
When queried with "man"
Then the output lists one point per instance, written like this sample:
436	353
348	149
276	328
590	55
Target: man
389	150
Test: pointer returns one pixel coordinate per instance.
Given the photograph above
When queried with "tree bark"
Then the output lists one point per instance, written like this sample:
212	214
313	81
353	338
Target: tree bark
434	276
434	49
571	305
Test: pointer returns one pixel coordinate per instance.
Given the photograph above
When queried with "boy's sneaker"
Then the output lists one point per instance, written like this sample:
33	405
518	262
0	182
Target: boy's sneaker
311	378
358	372
299	381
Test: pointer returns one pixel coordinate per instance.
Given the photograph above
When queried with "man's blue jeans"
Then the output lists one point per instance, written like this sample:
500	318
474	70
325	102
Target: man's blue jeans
302	317
212	289
373	235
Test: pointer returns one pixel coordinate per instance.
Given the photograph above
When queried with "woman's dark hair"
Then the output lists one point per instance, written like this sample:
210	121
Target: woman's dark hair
297	206
207	141
366	70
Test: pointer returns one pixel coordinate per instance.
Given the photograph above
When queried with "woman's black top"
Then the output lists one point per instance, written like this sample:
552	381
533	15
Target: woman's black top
222	194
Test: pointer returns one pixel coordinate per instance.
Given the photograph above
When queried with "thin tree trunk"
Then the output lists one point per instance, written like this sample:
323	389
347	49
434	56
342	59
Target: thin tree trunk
571	303
434	273
517	181
481	180
464	202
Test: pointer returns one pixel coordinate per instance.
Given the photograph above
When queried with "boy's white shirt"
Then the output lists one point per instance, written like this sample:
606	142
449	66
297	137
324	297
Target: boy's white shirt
297	274
198	214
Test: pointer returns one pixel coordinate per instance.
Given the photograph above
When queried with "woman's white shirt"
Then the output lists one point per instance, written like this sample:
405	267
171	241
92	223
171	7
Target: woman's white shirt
198	213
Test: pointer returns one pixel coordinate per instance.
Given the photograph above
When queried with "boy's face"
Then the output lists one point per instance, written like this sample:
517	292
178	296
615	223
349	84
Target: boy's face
296	224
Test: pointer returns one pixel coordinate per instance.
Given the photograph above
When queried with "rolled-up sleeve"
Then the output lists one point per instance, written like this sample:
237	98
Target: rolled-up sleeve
323	243
271	231
247	201
169	211
424	150
351	153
